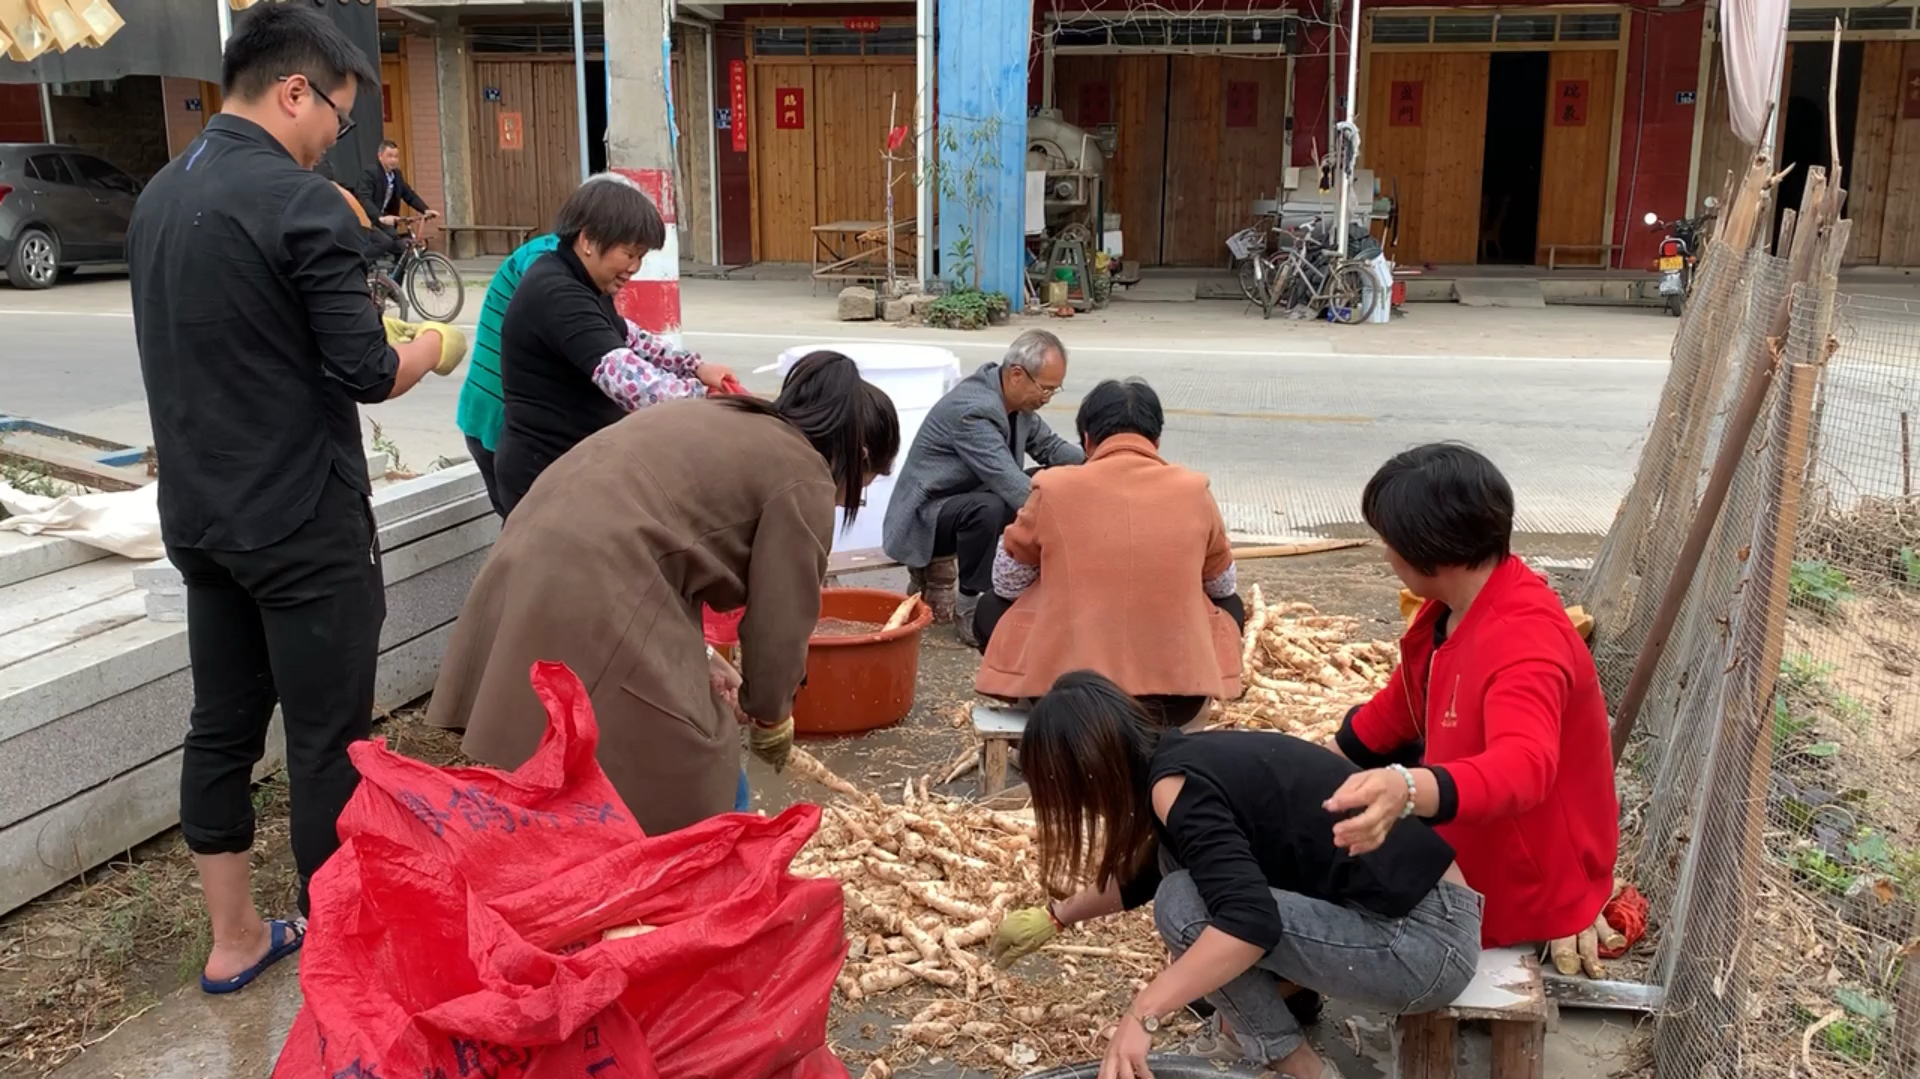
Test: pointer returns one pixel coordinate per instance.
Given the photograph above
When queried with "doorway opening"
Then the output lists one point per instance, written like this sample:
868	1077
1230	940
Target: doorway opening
596	116
1803	135
1510	169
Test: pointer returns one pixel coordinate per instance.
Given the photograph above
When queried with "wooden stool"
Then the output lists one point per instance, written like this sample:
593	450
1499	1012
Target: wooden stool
999	727
1508	992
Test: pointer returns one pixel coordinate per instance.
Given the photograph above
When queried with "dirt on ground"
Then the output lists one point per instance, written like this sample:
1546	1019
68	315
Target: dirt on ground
79	962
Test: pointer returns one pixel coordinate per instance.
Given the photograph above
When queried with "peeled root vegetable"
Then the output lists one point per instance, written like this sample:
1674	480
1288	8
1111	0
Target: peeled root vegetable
903	613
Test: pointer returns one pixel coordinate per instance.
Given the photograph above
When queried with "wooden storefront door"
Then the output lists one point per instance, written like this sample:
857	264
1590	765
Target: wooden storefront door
1129	92
1578	144
393	108
1226	140
785	208
1426	127
525	145
1883	184
819	130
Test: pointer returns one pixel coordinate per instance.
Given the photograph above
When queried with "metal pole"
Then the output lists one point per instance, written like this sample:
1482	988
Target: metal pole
923	135
580	87
46	112
713	159
225	15
1346	166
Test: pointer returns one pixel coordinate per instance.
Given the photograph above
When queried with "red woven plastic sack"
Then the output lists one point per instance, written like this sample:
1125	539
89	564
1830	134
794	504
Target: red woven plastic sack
457	931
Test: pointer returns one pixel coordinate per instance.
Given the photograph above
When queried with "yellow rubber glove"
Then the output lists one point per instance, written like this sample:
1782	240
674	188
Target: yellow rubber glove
453	347
772	744
398	332
1022	933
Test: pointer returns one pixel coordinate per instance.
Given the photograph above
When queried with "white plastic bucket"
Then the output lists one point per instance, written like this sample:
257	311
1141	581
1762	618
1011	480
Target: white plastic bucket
915	377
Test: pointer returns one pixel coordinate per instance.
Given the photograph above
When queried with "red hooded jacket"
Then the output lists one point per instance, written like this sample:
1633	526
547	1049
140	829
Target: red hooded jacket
1516	732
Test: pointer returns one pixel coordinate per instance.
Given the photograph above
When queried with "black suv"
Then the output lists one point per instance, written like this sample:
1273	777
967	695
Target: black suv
60	208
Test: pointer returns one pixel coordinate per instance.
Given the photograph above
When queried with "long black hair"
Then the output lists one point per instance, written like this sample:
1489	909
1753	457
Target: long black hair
1085	754
851	423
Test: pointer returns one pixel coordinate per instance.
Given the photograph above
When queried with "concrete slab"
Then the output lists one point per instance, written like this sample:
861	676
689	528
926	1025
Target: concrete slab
102	666
70	752
23	558
51	848
191	1035
1499	292
31	602
1160	290
70	626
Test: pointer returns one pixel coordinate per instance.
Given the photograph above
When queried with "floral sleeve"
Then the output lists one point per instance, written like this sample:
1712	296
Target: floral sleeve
633	380
662	353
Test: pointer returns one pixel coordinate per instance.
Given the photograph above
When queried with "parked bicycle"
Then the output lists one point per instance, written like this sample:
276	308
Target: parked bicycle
1305	273
1254	255
425	283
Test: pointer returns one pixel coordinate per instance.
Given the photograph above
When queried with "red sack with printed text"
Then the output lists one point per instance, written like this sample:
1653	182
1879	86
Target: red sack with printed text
458	930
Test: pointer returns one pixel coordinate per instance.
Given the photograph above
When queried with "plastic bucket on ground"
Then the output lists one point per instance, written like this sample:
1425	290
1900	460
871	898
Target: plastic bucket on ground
915	377
862	682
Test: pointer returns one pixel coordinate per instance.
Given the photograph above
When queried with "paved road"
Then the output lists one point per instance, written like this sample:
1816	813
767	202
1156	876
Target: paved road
1288	419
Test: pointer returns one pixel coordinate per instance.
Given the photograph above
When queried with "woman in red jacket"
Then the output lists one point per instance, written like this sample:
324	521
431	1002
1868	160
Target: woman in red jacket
1492	729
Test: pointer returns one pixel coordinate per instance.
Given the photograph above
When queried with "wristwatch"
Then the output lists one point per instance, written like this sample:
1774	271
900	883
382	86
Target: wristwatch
1148	1023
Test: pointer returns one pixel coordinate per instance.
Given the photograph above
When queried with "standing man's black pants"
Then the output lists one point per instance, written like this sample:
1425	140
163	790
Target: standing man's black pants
297	624
969	527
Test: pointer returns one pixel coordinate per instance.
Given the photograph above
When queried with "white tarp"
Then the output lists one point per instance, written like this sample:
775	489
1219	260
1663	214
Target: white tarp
1752	35
126	523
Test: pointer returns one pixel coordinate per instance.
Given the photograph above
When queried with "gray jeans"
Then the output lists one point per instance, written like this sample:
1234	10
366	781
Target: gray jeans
1403	965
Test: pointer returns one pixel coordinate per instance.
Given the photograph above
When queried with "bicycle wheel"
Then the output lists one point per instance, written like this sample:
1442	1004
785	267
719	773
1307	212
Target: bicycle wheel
1250	272
434	286
387	295
1350	294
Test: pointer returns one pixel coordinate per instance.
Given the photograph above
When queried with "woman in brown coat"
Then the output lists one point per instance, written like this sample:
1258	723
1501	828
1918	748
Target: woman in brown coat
604	565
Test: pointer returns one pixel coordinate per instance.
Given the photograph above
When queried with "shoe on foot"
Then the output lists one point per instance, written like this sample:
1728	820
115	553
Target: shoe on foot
283	939
965	606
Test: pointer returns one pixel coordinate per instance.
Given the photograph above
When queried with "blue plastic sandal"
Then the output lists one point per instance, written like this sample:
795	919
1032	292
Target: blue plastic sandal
286	938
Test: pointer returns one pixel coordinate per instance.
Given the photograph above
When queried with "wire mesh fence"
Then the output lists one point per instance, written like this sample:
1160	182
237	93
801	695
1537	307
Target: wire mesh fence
1772	796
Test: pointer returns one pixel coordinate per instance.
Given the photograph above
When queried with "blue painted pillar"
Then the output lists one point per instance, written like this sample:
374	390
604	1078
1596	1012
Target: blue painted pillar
982	121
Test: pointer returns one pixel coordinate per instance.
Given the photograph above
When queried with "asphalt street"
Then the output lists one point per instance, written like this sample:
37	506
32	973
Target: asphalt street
1288	419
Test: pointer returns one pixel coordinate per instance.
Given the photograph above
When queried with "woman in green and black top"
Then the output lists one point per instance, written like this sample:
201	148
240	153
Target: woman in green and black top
1228	835
481	412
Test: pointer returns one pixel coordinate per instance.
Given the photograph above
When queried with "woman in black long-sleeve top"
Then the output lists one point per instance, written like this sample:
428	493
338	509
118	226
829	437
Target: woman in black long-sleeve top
570	364
1227	834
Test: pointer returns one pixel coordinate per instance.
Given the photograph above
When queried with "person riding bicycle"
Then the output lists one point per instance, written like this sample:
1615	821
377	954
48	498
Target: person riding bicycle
384	191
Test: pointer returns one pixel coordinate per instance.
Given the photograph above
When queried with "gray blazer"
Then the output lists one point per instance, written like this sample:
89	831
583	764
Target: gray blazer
963	445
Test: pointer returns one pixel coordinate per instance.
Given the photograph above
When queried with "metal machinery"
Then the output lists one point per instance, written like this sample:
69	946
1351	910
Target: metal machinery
1074	166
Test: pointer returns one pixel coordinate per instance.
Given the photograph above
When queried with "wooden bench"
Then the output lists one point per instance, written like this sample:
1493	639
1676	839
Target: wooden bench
1508	992
465	250
864	560
1604	252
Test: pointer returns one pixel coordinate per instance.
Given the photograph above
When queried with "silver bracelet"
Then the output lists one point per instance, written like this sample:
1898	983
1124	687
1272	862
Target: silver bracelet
1413	792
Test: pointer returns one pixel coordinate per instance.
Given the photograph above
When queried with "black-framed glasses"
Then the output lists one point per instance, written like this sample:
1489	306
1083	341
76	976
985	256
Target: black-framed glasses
347	123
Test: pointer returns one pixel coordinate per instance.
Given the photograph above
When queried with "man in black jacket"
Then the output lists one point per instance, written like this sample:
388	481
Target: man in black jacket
252	376
384	190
